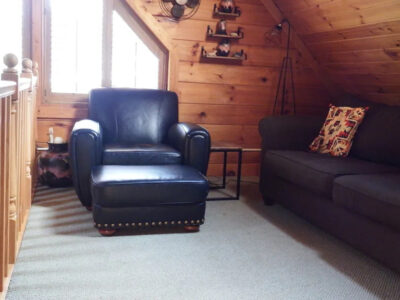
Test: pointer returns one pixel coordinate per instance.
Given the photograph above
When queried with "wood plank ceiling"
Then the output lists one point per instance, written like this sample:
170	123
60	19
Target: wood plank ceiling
357	42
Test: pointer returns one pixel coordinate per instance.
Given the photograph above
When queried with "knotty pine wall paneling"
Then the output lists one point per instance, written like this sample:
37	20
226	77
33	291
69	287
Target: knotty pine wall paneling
228	100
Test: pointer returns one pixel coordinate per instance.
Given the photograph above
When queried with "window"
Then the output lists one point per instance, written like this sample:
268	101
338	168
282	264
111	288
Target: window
133	63
14	22
75	46
93	43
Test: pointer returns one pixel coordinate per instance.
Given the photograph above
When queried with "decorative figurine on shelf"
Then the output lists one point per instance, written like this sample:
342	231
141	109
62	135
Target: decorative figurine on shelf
221	27
238	54
223	48
53	164
227	6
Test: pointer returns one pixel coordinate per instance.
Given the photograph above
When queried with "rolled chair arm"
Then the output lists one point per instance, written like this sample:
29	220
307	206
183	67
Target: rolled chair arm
289	132
85	147
193	142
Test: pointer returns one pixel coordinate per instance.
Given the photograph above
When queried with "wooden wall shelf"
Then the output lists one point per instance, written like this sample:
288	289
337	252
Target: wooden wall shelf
223	59
239	34
235	14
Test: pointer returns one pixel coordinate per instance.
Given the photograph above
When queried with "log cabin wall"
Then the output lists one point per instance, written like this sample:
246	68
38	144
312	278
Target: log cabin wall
356	42
228	100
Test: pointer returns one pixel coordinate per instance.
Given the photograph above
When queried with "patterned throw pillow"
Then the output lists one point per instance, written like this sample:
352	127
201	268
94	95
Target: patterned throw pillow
337	133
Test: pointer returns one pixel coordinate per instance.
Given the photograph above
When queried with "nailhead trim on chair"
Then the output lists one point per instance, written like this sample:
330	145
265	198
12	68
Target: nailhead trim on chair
146	224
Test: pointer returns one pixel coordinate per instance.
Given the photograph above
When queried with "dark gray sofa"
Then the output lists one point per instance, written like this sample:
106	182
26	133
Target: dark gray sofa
356	198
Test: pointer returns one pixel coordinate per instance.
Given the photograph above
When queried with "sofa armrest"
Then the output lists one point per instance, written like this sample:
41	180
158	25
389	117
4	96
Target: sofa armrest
289	132
85	148
193	142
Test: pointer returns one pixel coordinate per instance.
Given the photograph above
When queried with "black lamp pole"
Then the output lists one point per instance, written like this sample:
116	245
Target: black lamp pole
285	72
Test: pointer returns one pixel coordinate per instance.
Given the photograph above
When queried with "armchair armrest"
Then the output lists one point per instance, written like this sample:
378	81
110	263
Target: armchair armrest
85	148
193	142
289	132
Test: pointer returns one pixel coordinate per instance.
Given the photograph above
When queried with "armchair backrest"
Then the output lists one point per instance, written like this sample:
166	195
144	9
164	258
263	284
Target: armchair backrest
133	116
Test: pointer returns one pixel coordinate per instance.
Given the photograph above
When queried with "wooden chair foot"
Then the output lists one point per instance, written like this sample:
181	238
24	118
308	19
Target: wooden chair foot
192	228
107	232
89	208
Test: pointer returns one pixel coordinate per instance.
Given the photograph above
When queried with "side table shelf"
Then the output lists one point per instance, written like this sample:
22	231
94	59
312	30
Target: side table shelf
225	148
236	35
234	59
236	13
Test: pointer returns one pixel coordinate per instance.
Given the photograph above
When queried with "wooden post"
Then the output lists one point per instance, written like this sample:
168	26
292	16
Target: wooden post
11	74
6	92
5	102
27	66
34	75
3	221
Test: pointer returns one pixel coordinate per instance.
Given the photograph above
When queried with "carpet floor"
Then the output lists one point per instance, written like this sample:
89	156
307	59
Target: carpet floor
244	250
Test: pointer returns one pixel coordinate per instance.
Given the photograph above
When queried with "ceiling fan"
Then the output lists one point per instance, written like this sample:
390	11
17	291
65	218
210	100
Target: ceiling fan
179	9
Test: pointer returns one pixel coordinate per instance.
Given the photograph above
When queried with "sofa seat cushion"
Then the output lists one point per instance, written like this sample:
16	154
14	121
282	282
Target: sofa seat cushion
142	154
376	196
317	172
141	186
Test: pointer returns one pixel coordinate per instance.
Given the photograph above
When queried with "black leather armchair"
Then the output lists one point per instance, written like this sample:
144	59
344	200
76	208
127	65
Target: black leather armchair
133	127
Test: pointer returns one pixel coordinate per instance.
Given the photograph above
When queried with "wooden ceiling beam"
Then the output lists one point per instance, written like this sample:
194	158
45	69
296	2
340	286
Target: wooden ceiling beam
275	12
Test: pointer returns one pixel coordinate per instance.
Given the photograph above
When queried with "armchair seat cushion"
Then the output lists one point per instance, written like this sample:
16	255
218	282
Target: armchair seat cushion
145	186
142	154
316	172
374	196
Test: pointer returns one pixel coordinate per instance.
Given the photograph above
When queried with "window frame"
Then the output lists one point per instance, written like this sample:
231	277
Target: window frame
133	21
27	28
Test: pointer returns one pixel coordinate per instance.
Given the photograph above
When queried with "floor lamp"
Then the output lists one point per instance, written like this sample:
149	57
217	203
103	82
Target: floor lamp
286	80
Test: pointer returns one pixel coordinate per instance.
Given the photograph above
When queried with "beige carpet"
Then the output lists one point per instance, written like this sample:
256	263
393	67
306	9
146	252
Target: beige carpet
244	251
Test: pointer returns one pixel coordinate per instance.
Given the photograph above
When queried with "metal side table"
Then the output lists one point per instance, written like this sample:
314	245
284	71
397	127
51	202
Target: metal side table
225	148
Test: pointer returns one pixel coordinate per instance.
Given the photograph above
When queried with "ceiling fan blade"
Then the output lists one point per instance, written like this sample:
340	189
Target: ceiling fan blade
192	3
177	11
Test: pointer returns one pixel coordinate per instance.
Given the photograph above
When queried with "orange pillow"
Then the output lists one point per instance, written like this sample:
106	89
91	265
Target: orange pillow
337	133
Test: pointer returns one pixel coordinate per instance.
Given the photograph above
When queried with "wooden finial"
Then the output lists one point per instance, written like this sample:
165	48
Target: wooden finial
27	66
11	73
11	61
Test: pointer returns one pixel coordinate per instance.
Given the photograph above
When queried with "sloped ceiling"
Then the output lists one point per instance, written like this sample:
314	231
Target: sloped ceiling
356	42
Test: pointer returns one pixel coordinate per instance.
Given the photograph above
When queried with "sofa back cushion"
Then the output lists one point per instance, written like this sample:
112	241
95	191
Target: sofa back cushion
378	137
351	101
